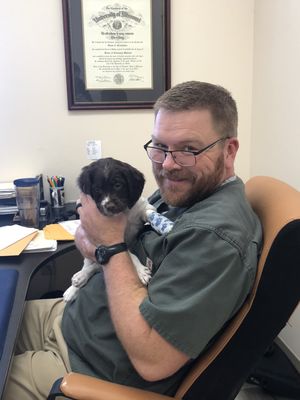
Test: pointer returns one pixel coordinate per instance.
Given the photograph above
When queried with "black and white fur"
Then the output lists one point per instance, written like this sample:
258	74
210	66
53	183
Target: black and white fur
115	187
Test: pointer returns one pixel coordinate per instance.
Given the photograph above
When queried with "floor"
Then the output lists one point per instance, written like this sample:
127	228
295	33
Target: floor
251	392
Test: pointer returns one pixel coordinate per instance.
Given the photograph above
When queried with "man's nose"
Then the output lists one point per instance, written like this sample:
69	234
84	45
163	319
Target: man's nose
169	162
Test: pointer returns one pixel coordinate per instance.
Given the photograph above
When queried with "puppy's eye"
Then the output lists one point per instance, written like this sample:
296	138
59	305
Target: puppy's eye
117	185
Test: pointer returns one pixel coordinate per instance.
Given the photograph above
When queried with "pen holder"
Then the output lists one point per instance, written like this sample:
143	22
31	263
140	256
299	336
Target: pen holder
57	196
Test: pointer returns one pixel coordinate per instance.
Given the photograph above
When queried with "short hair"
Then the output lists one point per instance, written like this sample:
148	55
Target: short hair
194	95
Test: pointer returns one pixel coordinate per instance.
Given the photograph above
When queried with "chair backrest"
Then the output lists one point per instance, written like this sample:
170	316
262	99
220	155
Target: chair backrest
222	370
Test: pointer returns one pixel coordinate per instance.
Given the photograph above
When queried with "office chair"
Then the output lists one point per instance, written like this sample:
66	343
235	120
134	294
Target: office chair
219	373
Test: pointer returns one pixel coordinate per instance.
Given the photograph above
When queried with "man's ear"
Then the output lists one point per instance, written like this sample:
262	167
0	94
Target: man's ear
231	148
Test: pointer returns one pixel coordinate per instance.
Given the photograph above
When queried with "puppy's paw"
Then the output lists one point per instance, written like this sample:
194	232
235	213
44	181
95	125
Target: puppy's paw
144	273
141	207
70	294
80	278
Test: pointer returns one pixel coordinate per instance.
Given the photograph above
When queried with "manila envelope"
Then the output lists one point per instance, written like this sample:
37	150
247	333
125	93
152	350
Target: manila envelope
16	248
56	232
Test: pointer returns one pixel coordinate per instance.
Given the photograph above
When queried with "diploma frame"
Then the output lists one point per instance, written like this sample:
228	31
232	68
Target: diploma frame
82	97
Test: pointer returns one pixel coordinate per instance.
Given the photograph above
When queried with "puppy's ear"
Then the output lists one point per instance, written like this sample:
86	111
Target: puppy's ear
136	182
85	180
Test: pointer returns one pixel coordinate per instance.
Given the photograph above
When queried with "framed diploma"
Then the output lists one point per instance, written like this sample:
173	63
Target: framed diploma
117	52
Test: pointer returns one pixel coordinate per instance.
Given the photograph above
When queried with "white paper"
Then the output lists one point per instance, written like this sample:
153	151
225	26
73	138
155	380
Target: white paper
40	244
7	190
11	234
70	226
7	186
8	210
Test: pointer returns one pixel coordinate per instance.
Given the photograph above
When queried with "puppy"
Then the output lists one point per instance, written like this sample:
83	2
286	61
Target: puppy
116	187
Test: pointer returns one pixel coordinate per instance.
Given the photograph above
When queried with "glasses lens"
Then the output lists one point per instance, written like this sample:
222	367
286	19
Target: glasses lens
156	155
184	158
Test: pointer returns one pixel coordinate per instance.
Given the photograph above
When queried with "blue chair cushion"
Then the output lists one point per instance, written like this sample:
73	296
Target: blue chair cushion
8	283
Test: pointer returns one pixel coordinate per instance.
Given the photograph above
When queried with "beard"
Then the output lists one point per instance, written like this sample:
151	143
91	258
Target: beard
199	187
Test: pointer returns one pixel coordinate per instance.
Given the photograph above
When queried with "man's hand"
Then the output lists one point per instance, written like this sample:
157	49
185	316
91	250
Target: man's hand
99	228
86	248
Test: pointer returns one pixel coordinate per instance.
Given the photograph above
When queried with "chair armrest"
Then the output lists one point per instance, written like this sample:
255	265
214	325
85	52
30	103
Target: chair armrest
83	387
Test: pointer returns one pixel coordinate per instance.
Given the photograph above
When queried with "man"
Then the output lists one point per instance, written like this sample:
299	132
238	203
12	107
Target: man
202	271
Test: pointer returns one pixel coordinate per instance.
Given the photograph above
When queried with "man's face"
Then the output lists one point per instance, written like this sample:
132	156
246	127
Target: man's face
190	130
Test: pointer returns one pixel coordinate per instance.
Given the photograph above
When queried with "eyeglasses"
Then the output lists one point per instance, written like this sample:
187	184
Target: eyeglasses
184	158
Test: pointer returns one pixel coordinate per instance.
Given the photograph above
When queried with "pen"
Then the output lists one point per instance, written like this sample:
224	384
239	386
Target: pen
51	184
56	181
60	181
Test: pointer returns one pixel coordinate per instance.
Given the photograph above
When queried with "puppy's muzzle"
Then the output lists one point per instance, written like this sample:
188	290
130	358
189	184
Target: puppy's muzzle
109	207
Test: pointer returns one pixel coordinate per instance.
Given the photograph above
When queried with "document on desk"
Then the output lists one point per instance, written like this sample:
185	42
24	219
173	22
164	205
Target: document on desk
40	244
61	231
7	190
7	198
14	239
70	226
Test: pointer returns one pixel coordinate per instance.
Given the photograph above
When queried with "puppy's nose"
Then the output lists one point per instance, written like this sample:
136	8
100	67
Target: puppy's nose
111	208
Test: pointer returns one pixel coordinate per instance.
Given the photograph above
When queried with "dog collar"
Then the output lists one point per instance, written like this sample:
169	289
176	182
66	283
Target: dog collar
104	253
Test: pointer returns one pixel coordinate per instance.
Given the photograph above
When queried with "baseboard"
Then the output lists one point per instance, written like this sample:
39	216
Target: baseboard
292	357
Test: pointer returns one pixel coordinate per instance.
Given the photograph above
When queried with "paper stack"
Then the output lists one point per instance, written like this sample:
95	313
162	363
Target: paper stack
15	239
7	198
40	244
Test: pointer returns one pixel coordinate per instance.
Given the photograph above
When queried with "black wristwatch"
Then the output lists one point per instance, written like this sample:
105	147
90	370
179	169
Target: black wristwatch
103	253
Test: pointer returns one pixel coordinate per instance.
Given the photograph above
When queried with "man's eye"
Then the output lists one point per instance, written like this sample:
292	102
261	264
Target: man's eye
189	148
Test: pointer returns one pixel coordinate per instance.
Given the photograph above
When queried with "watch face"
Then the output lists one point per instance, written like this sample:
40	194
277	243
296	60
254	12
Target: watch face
102	255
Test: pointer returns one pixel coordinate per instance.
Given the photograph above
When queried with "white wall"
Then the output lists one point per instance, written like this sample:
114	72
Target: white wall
276	88
276	106
211	41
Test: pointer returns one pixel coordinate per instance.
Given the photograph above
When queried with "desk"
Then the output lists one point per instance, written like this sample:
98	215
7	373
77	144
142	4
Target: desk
26	265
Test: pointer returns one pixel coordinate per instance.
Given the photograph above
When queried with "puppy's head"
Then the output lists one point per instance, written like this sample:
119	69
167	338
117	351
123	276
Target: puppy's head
114	185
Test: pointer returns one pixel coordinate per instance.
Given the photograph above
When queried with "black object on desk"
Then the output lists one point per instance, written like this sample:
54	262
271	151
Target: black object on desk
65	213
48	215
52	215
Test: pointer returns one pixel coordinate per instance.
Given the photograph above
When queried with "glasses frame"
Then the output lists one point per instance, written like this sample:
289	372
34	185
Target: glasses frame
193	152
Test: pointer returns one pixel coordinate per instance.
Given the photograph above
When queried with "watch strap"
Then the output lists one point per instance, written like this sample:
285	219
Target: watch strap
106	252
118	248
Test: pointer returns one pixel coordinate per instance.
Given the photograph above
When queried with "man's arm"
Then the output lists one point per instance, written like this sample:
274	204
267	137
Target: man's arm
152	356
